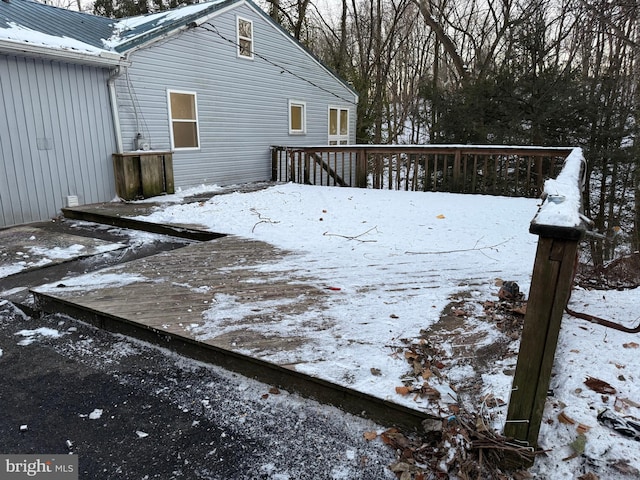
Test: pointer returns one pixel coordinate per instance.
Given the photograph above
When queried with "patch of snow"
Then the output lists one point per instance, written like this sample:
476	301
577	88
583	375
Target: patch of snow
389	261
180	194
57	252
96	414
20	34
31	335
125	26
95	280
563	195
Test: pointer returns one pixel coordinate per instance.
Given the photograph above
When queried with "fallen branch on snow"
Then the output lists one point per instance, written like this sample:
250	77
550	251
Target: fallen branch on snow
474	249
262	219
356	237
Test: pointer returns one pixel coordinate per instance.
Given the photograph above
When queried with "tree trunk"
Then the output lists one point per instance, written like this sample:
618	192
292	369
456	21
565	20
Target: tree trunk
445	40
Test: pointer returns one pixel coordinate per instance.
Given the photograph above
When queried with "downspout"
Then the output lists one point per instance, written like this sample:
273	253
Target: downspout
111	83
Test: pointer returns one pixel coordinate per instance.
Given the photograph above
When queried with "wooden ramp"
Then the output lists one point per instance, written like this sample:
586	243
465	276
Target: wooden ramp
166	299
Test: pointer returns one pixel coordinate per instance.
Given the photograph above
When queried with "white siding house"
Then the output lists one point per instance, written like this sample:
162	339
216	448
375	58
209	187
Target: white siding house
217	84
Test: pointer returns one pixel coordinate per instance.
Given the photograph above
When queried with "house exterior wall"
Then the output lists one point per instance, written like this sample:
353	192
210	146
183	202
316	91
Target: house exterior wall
243	105
56	137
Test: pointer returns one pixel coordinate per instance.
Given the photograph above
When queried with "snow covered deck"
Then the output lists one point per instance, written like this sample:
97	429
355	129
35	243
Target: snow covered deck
170	298
319	290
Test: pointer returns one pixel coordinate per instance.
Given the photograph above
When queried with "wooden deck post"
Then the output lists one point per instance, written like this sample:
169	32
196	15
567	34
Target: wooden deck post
275	156
361	168
559	227
550	287
456	187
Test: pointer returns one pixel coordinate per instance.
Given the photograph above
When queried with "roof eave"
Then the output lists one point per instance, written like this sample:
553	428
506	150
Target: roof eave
102	59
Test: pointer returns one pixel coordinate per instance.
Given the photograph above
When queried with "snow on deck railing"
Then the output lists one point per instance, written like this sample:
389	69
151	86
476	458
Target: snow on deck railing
560	225
561	211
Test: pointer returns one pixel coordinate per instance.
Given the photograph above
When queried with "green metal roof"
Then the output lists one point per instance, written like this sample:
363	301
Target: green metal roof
56	22
132	32
23	20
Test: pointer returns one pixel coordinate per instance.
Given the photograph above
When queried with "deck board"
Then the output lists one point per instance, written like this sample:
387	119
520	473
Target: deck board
169	296
175	290
244	285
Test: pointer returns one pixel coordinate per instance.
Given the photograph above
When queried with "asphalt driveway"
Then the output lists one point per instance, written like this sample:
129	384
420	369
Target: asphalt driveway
133	411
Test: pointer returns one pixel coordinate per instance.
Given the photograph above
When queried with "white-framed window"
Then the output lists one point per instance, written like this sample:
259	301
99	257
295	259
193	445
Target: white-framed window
338	126
244	39
183	115
297	117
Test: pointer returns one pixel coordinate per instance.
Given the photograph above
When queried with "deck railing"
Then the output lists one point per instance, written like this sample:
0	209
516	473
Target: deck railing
494	170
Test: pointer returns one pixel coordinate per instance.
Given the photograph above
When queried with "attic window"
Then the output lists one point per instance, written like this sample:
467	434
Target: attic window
245	38
183	115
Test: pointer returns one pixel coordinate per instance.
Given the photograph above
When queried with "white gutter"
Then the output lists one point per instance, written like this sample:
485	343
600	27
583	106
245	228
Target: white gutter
111	83
101	58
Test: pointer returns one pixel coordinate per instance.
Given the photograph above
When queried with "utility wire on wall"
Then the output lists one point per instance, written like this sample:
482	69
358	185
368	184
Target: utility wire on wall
141	123
209	27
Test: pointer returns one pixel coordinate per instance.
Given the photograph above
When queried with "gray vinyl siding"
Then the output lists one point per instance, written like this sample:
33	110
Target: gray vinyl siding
56	137
243	105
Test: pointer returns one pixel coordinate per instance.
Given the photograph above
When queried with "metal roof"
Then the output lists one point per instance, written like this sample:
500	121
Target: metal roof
118	35
57	22
132	32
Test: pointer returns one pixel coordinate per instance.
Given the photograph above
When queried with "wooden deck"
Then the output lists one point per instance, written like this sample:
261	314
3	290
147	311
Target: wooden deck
165	298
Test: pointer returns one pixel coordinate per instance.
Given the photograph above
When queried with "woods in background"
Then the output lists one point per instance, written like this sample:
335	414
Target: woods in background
547	72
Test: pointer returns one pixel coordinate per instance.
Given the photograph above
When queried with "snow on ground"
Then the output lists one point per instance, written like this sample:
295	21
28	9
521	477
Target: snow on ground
29	248
394	259
391	262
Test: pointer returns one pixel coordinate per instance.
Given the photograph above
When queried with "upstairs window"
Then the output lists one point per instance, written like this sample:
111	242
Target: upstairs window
183	115
297	118
338	126
245	38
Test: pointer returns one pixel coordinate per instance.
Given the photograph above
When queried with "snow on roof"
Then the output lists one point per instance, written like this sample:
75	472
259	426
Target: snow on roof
128	28
27	26
21	34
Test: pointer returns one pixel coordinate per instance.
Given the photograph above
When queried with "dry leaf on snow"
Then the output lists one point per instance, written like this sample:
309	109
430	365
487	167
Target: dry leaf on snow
599	386
372	435
630	345
624	403
410	355
394	438
589	476
582	428
403	390
429	391
566	419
